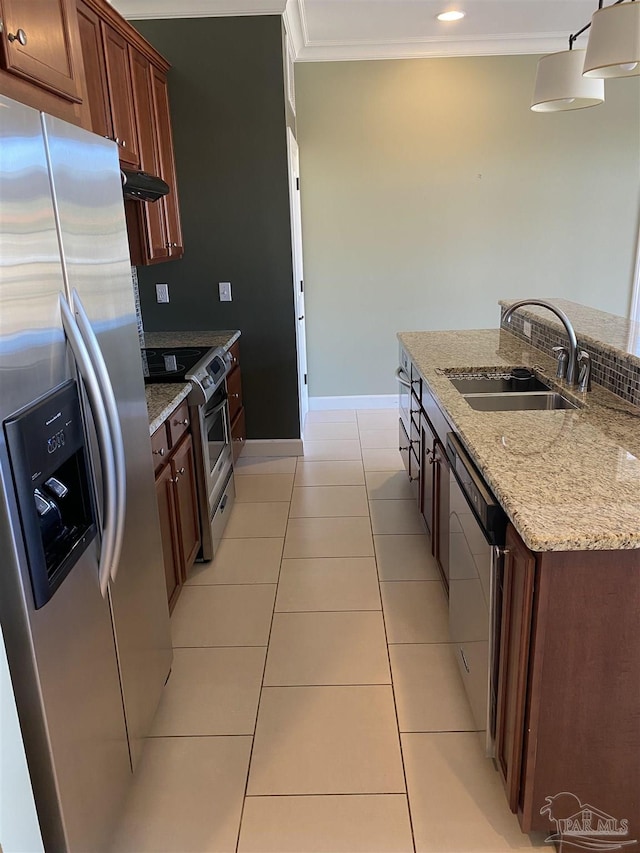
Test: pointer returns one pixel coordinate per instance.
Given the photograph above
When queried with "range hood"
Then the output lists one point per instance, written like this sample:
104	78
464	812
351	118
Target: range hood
142	186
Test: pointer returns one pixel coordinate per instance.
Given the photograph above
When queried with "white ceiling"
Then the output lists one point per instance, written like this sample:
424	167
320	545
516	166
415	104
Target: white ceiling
323	30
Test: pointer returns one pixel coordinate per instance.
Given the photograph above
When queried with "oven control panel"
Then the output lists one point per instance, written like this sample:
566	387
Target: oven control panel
207	376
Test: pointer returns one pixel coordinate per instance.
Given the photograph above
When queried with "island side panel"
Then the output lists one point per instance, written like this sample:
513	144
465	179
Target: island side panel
584	702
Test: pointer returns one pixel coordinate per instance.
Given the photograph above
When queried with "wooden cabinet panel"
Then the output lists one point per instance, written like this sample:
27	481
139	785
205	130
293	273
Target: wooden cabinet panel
515	638
441	509
234	355
176	487
166	163
429	482
238	435
169	534
152	213
234	393
120	95
160	447
184	479
178	423
95	71
39	44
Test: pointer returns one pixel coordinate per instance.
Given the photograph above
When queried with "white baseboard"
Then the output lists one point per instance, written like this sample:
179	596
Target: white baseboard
366	401
273	447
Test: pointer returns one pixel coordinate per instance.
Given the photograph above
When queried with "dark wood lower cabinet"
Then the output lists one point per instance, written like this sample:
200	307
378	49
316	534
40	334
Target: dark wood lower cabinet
177	507
170	546
515	635
184	480
569	692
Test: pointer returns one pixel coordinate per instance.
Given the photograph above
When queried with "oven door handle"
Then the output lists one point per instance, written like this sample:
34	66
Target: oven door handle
211	412
400	376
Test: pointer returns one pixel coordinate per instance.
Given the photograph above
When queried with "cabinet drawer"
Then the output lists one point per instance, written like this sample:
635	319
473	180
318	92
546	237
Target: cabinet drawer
234	352
234	393
178	423
160	447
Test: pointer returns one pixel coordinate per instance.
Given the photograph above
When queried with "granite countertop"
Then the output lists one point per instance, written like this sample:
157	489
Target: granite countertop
570	479
163	398
224	339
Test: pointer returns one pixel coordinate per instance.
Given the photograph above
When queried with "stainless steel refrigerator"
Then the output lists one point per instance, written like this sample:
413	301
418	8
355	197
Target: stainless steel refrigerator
83	604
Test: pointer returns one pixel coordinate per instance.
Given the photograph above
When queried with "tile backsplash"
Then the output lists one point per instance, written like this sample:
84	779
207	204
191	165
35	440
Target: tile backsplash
614	370
136	296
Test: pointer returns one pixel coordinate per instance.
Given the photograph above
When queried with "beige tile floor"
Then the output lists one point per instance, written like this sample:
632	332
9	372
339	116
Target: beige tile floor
314	704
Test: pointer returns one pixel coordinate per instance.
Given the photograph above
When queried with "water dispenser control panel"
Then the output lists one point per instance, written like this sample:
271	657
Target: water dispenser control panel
46	443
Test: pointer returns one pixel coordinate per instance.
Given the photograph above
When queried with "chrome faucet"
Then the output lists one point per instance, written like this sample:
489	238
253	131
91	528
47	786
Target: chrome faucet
572	363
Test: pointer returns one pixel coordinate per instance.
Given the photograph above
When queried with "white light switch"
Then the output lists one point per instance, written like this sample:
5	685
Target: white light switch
162	292
224	288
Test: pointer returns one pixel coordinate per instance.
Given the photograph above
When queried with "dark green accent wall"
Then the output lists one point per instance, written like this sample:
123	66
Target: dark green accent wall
227	96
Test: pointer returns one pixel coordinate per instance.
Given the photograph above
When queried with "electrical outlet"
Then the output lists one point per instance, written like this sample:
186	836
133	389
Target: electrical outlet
224	288
526	327
162	292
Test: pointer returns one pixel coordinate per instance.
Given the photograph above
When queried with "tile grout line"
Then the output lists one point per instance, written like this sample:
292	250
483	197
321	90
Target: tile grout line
393	690
264	668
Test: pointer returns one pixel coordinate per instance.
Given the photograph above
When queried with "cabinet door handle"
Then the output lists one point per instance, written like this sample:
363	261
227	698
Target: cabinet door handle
181	471
124	143
185	422
160	452
235	396
19	36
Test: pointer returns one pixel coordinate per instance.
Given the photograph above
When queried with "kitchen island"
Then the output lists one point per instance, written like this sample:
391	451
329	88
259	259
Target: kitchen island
569	670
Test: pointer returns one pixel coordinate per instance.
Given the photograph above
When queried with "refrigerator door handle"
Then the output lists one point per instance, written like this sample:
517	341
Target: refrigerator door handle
92	387
117	442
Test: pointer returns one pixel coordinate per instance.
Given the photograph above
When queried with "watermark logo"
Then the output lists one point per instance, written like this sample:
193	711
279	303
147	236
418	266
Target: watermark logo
581	826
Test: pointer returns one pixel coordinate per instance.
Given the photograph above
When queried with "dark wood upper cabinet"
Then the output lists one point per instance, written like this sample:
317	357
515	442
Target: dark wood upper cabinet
151	214
167	170
95	71
109	84
129	103
38	44
125	132
41	58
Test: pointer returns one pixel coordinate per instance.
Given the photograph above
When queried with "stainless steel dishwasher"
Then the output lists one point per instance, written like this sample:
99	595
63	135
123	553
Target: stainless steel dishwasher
477	526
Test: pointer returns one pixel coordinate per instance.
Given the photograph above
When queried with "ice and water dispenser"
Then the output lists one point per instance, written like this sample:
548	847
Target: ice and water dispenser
47	448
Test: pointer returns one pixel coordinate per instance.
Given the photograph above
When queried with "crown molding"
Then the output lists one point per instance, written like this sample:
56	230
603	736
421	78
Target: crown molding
529	43
143	9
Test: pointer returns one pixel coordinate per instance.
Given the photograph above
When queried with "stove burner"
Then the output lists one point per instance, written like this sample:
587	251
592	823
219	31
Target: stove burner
170	364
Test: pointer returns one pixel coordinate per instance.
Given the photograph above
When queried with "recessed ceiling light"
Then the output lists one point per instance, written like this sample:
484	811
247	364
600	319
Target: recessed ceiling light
450	16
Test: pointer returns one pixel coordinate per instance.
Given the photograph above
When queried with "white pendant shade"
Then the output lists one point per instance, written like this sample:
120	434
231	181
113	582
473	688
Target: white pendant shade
561	86
614	42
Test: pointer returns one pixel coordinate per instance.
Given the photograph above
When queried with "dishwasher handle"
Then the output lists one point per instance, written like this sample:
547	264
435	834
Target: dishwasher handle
495	625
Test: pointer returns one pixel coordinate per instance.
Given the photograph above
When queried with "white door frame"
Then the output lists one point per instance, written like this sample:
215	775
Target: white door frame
298	275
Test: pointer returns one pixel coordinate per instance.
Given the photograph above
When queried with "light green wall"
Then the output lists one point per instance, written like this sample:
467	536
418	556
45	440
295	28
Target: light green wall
430	190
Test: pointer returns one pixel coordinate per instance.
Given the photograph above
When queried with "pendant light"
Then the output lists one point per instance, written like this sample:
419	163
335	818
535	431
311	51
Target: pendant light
561	86
614	42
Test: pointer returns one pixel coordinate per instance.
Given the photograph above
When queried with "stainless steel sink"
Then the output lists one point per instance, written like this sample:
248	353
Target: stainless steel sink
496	384
523	402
